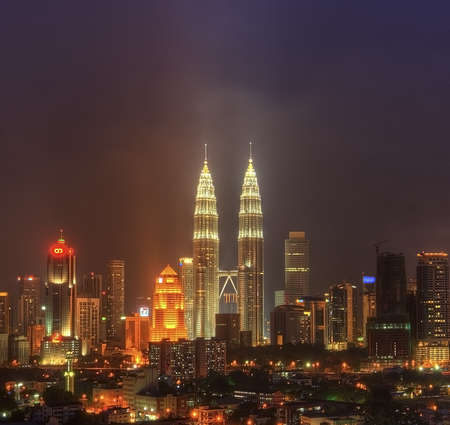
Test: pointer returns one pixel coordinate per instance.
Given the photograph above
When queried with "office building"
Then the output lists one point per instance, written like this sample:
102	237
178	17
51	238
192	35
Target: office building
4	348
56	349
60	289
168	308
297	266
433	293
87	313
290	324
228	327
341	316
206	256
432	352
368	303
228	295
316	307
389	333
113	304
36	334
29	311
186	273
137	332
251	257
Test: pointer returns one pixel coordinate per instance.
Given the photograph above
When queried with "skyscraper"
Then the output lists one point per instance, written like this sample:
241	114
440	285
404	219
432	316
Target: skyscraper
389	332
433	295
114	305
186	273
87	314
206	256
390	284
341	315
29	303
297	266
168	308
4	313
60	289
251	257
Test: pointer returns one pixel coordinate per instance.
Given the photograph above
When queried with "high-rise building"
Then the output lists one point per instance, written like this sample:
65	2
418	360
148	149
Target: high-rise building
368	302
137	332
187	360
317	309
251	257
297	266
4	313
290	324
114	301
87	314
90	286
389	333
206	256
186	273
433	293
29	311
60	289
341	315
228	327
168	308
390	285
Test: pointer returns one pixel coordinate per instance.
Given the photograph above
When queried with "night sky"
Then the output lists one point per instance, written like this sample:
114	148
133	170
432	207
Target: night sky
105	107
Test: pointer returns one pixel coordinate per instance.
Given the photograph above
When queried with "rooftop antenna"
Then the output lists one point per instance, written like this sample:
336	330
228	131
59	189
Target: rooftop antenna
61	234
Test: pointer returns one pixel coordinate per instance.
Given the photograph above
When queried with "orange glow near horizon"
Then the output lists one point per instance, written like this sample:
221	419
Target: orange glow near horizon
168	308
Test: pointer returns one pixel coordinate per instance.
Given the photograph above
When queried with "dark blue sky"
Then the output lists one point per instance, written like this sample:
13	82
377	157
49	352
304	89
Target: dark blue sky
105	106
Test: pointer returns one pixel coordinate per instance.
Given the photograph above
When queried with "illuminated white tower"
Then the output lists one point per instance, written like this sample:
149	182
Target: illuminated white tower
251	257
206	256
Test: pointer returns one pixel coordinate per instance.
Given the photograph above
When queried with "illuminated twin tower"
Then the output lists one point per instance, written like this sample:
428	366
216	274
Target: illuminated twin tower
250	257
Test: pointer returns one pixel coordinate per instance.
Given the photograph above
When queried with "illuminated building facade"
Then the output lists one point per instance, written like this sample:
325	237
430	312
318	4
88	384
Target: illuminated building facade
369	305
56	349
113	307
60	289
168	308
433	352
5	313
29	311
433	293
316	307
251	257
137	332
186	273
210	356
280	297
206	256
228	294
342	316
87	314
297	266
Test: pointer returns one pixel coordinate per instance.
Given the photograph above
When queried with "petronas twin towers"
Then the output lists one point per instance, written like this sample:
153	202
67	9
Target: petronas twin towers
250	257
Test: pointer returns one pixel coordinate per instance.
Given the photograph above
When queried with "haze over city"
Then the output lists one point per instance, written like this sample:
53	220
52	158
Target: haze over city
106	109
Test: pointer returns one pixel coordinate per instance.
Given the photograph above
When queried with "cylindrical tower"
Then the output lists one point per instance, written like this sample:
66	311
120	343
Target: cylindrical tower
206	256
251	257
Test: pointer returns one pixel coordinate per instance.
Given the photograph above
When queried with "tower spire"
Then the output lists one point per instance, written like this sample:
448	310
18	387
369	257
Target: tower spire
206	153
61	235
251	156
